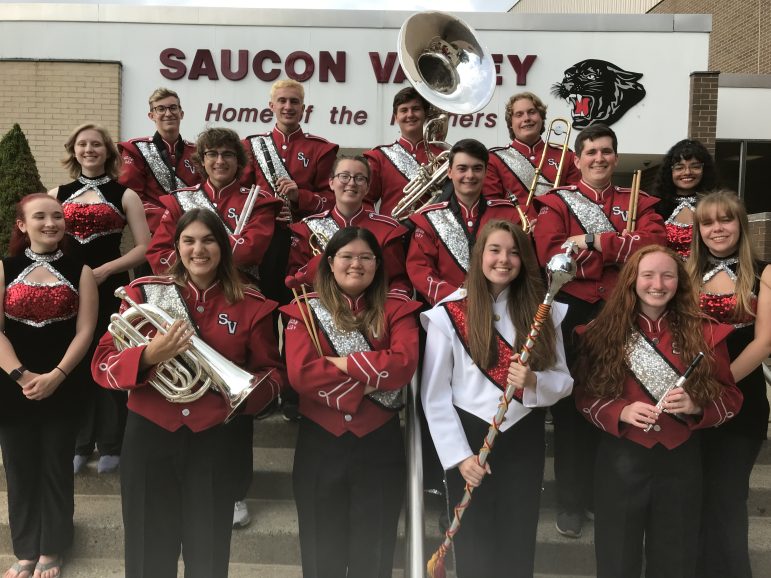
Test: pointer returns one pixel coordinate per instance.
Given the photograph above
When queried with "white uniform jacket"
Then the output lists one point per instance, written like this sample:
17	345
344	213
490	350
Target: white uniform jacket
450	378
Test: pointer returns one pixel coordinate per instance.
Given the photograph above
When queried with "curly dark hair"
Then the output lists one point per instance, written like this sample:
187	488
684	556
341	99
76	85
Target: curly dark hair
664	187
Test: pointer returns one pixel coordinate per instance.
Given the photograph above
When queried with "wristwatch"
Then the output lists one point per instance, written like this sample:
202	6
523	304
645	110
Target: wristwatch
589	240
17	373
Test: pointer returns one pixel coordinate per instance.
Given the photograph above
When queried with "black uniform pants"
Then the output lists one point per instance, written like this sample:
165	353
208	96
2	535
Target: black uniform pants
498	531
649	496
728	459
178	492
37	455
349	492
575	439
104	419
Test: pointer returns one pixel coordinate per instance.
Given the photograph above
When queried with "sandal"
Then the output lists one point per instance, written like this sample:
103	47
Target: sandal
56	563
22	568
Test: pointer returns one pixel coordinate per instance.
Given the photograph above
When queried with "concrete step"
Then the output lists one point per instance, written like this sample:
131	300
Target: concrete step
272	540
273	480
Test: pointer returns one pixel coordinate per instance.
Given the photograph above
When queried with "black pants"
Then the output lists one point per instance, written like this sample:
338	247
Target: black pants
728	459
575	439
178	492
498	531
349	492
650	496
37	454
104	419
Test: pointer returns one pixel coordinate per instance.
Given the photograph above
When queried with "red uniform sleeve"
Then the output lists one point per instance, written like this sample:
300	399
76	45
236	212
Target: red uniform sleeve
321	196
133	175
249	247
494	188
160	253
375	191
649	230
729	403
422	265
300	252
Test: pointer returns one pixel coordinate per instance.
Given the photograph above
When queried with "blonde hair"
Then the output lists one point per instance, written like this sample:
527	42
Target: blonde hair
287	83
526	293
160	94
112	163
725	202
537	103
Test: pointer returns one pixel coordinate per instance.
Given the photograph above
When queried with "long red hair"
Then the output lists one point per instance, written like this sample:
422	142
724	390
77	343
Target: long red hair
20	241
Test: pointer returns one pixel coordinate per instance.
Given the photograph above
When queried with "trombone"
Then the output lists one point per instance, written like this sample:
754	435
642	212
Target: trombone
559	127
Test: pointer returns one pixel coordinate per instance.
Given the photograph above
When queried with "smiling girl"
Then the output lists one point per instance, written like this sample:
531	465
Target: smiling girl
648	469
472	345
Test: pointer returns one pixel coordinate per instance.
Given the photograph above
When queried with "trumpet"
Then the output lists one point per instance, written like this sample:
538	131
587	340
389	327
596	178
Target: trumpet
187	377
558	127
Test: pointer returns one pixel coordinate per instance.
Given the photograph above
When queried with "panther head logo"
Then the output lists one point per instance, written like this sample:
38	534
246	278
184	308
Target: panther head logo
598	91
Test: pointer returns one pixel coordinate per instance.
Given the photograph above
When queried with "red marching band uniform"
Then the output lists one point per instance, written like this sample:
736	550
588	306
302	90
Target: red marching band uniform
572	210
510	171
391	168
153	167
304	158
239	331
388	232
248	247
438	256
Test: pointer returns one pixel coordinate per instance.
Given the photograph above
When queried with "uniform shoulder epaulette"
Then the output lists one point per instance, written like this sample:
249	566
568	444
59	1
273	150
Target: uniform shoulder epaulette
251	136
499	203
383	219
493	149
398	295
315	216
153	279
629	190
140	139
188	143
254	293
193	188
434	207
316	137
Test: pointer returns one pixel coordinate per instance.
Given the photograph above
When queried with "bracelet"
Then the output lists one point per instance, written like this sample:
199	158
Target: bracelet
60	369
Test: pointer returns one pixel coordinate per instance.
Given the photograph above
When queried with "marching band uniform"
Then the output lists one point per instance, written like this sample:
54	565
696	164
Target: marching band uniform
38	437
511	169
307	160
438	255
648	484
228	203
153	167
95	231
349	467
178	472
460	401
391	168
729	453
577	210
388	232
679	235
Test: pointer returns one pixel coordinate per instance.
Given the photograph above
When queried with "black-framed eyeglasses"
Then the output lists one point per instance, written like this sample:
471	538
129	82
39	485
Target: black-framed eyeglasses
172	108
213	155
345	178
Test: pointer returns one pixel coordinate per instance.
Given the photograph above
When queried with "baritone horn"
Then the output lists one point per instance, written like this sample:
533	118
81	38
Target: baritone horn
448	66
190	375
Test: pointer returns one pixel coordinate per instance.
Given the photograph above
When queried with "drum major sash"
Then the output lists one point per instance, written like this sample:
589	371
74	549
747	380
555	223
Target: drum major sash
650	368
266	155
523	169
452	234
589	214
402	159
498	374
165	176
346	342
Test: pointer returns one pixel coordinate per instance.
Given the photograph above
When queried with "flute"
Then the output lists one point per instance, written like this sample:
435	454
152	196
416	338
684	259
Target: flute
679	383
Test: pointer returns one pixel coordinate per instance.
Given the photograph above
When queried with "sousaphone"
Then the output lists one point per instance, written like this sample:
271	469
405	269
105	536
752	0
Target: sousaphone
448	66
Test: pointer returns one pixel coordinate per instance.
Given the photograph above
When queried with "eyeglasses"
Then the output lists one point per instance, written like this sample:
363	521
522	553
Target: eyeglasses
682	167
345	178
365	259
161	109
213	155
